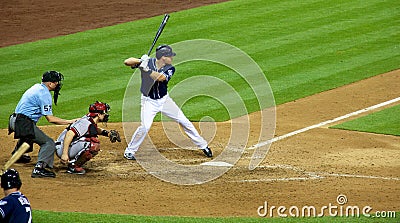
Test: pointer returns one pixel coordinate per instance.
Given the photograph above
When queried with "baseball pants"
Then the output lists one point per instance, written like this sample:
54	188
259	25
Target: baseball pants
149	109
75	149
47	145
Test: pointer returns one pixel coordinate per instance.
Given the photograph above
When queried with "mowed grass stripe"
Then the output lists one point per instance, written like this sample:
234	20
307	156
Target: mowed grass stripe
81	46
239	16
326	33
332	81
86	51
68	56
84	45
136	30
315	29
335	59
297	44
383	122
85	83
76	77
331	47
325	69
278	29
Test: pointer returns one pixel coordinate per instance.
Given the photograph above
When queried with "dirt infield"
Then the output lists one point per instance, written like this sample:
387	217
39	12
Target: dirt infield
310	168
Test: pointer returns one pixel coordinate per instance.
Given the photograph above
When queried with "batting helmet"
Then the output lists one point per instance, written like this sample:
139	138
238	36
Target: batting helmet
10	179
164	50
99	108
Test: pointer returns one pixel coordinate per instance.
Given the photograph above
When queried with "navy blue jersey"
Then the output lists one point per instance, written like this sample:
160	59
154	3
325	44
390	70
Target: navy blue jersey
156	89
15	208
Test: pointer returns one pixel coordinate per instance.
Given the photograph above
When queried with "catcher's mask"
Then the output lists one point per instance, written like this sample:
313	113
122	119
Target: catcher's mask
164	50
10	179
54	76
99	108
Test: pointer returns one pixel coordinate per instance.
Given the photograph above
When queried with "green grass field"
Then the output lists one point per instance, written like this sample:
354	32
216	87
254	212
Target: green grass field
47	216
303	48
386	121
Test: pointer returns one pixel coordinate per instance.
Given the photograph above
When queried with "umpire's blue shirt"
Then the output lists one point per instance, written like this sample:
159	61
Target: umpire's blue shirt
35	102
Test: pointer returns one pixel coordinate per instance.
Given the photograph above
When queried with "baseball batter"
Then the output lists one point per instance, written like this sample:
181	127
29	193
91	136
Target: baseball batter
155	74
79	142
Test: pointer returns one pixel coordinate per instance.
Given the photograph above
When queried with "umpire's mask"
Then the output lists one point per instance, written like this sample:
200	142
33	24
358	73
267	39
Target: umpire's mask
54	76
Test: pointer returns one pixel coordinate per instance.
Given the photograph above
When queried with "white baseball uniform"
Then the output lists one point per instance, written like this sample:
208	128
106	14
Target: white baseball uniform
155	99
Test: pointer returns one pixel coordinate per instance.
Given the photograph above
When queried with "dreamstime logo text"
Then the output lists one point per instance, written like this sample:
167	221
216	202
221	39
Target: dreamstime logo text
340	209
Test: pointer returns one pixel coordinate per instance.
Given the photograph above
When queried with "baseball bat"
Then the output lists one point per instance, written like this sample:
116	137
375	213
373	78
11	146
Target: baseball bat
21	150
159	31
133	62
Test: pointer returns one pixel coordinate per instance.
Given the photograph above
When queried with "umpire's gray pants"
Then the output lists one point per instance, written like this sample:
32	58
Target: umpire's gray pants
47	144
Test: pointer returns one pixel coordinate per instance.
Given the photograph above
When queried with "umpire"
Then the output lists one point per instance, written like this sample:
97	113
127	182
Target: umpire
35	103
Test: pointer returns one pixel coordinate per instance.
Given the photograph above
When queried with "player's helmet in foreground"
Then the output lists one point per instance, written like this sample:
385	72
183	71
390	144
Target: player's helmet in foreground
164	50
99	108
10	179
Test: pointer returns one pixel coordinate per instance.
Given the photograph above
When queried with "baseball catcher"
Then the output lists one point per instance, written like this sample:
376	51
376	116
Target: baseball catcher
79	142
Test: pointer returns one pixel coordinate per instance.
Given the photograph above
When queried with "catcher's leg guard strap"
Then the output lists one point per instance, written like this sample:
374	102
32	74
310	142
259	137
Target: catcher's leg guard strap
94	146
89	153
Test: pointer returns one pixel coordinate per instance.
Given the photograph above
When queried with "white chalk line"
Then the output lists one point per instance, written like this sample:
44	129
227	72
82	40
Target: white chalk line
356	176
307	175
318	175
260	144
310	175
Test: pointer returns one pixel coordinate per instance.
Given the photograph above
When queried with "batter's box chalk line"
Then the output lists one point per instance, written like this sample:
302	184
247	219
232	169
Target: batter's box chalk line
328	122
308	175
216	163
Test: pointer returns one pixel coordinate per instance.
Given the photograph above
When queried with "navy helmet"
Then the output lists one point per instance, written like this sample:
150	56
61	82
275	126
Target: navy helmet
10	179
164	50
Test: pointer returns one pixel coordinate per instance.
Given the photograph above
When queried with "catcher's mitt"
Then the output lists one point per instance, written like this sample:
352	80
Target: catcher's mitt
114	136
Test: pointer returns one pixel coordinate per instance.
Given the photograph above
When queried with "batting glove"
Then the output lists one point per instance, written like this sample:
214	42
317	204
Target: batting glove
145	57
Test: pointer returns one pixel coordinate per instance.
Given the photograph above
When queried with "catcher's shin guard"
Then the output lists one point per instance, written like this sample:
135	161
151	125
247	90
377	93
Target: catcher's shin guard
88	153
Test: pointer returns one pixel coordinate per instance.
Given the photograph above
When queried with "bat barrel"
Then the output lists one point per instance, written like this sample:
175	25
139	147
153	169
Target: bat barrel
159	31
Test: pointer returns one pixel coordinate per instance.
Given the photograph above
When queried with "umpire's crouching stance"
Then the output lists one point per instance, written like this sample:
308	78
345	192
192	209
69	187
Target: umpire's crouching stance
35	103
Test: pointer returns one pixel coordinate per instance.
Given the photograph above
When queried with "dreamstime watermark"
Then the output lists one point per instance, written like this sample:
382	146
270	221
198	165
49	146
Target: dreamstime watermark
252	92
340	209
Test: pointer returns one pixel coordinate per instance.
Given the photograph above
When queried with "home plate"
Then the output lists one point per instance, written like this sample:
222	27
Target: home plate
216	163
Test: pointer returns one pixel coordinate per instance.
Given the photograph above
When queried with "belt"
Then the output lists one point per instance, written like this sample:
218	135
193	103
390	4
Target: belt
19	115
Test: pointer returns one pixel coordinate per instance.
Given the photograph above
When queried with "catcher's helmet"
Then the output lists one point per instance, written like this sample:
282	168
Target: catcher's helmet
52	76
99	108
164	50
10	179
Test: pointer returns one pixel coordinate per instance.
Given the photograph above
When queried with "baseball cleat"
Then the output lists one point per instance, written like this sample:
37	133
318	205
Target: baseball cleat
129	156
72	169
207	151
24	159
42	172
